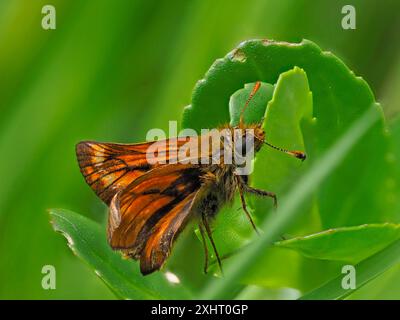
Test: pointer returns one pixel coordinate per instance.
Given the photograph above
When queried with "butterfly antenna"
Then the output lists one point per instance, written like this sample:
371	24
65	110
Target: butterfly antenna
253	92
297	154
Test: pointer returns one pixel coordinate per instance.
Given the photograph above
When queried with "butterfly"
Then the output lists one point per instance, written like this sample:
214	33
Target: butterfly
151	199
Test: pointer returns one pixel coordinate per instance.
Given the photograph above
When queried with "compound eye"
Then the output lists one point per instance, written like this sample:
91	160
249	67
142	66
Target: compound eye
261	135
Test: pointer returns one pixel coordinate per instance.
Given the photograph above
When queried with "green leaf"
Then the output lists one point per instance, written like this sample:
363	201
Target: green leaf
350	244
87	240
339	97
289	111
366	271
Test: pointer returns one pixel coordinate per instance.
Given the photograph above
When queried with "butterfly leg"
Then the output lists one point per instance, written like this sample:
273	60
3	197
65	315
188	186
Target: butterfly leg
263	193
244	206
209	234
203	238
242	182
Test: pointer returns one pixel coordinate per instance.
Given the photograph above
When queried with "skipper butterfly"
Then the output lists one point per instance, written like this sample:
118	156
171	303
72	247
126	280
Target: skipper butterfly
151	198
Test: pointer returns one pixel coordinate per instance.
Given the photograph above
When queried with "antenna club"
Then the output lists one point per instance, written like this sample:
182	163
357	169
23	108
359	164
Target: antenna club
297	154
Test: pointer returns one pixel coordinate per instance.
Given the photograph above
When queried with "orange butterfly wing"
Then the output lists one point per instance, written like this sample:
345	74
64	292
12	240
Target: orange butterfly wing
109	167
146	217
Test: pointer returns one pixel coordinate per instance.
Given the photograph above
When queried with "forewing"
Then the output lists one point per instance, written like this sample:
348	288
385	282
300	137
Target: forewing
109	167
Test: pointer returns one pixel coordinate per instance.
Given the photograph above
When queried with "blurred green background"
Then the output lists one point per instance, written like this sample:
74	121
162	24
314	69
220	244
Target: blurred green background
113	70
